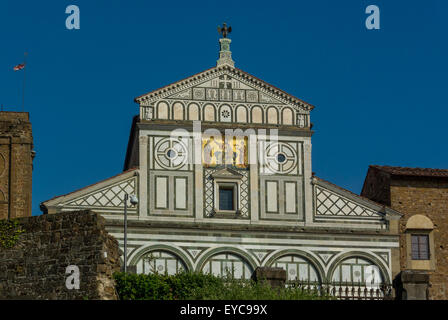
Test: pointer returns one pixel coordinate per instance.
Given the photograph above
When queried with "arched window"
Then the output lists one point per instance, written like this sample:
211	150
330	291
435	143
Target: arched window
297	268
162	262
272	115
357	271
419	235
227	263
178	111
193	112
162	110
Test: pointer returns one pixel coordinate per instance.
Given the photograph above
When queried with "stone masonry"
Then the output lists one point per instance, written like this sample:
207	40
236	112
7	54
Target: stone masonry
16	164
35	268
416	192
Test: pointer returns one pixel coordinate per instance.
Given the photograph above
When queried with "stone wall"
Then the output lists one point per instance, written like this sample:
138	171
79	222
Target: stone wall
428	197
377	186
35	268
16	164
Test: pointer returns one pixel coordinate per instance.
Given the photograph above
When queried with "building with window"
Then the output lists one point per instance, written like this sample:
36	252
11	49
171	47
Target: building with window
422	196
221	163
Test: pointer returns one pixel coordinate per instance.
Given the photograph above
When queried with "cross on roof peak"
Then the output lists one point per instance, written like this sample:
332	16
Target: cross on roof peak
224	30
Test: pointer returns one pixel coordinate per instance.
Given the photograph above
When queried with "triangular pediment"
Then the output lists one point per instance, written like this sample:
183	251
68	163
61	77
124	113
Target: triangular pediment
224	84
104	195
227	173
332	201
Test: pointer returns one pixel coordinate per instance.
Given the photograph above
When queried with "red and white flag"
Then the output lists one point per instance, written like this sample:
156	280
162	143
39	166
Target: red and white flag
19	67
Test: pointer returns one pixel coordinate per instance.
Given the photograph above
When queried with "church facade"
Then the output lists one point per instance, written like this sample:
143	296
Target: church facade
221	164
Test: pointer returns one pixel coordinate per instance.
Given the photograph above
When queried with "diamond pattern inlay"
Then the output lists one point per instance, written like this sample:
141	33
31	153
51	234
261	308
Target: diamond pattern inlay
330	204
111	196
244	191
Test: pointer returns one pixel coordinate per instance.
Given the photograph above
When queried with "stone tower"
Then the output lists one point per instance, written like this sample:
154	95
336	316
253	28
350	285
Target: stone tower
16	164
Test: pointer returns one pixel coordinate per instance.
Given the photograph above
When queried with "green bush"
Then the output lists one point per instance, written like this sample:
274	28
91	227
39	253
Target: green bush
161	287
198	286
10	231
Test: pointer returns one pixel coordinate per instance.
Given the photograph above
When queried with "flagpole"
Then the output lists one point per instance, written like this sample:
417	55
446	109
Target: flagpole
24	76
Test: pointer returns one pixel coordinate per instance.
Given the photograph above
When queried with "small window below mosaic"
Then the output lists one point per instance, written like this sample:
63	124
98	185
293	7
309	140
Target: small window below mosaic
226	198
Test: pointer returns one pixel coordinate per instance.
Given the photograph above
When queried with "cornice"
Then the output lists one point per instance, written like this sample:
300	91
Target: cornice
208	74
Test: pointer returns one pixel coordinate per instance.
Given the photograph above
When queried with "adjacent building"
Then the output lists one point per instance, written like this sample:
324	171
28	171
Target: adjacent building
422	196
16	164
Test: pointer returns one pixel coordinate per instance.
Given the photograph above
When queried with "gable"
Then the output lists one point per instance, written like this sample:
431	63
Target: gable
224	84
104	196
226	88
227	173
332	203
225	94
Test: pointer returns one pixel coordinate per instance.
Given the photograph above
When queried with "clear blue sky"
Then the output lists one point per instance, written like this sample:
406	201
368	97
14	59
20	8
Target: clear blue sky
380	95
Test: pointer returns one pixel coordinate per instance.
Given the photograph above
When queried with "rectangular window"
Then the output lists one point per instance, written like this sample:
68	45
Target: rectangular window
420	247
226	200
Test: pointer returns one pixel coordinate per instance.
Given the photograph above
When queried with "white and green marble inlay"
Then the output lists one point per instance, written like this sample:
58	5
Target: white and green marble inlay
161	262
228	264
357	271
297	268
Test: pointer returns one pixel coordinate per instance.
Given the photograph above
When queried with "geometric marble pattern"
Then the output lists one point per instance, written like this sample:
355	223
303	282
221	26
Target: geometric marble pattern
228	264
325	256
332	204
111	196
297	268
160	262
357	271
209	192
171	153
270	163
384	256
260	254
194	252
224	88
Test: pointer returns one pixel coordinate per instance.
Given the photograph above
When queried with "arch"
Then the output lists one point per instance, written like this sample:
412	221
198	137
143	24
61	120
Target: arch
419	221
163	110
178	111
272	115
313	262
257	114
209	112
287	116
225	113
241	254
241	114
175	252
193	112
363	255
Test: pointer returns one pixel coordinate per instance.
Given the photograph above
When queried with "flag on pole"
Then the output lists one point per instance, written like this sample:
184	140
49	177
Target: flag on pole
19	67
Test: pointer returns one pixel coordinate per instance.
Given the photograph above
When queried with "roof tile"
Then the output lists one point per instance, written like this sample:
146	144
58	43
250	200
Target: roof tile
416	172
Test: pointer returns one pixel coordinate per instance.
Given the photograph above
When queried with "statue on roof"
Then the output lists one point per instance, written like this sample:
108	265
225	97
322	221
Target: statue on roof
224	30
